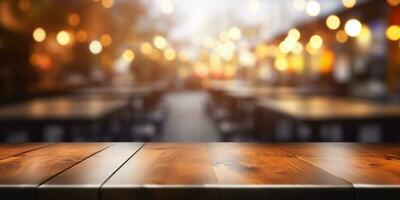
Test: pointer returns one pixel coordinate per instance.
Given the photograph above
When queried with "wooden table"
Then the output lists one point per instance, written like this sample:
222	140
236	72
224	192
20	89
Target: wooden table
318	110
304	171
36	114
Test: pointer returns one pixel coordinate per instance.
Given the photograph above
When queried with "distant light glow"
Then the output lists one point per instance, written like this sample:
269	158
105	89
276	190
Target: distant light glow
63	38
39	34
74	19
333	22
341	36
160	42
298	48
294	34
167	7
235	33
313	8
169	54
349	3
95	47
299	5
128	55
393	33
107	3
365	37
106	40
353	27
393	2
254	6
146	48
81	36
281	63
316	41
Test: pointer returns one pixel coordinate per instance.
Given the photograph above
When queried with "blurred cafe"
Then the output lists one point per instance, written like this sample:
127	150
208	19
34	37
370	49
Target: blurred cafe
200	71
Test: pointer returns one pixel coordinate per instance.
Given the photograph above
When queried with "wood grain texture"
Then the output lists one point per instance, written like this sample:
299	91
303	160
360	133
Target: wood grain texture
83	180
267	172
8	150
374	171
163	171
22	174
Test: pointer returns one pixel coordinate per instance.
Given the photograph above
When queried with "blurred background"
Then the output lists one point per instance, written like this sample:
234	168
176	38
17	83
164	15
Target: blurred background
187	70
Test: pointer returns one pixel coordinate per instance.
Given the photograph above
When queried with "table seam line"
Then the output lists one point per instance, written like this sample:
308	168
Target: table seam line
64	170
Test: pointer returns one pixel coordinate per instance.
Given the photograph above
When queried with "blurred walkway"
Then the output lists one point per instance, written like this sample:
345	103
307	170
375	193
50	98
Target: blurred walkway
187	120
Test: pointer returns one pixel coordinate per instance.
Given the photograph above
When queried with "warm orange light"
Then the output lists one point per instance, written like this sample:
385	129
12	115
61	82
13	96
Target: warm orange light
297	63
81	36
106	40
74	19
146	48
230	71
107	3
262	51
393	2
327	61
341	36
43	62
201	70
24	5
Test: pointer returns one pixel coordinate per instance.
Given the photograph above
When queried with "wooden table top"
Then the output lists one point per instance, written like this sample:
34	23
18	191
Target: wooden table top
59	109
330	108
118	91
199	171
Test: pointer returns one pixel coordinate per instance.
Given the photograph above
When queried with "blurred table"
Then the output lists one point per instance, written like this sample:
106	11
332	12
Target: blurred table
34	115
92	171
124	91
317	110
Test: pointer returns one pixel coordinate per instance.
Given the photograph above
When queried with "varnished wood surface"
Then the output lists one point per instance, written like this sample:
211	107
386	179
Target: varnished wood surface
159	170
201	171
62	108
330	108
89	174
22	174
9	150
374	170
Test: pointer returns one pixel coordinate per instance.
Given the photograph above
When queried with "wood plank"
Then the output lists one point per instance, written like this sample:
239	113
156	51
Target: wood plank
374	173
8	150
22	174
266	172
84	180
163	171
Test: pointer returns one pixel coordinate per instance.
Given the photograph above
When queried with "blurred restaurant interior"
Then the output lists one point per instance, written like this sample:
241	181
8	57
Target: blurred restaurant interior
200	71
